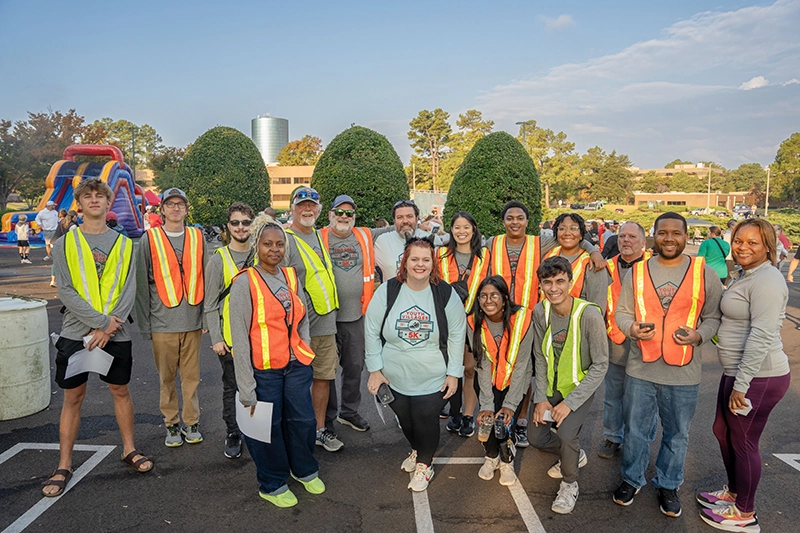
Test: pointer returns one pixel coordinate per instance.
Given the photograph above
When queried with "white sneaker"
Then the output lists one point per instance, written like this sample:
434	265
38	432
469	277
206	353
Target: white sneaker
46	258
555	470
410	462
489	466
566	498
27	261
507	475
422	476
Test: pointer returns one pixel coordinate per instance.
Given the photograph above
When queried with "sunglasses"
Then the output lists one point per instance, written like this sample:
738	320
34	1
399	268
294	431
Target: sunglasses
306	194
349	212
404	202
235	223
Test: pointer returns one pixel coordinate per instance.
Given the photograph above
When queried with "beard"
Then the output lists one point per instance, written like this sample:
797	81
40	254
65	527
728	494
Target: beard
406	232
307	222
241	239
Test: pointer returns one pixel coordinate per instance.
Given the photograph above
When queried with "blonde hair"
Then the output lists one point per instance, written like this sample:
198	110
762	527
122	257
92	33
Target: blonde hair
768	236
22	218
94	185
260	223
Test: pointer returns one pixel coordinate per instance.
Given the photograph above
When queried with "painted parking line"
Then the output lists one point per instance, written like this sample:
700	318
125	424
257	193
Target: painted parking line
100	453
791	459
422	508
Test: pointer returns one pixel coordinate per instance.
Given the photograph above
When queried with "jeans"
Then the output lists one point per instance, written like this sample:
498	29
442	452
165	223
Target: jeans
613	423
293	428
675	404
228	393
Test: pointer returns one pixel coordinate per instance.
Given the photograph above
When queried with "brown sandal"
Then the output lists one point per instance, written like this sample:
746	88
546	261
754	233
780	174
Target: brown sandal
60	483
137	465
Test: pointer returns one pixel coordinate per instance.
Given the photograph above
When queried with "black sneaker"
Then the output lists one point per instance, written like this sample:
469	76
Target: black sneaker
669	502
233	445
521	432
607	450
454	424
355	421
467	426
625	493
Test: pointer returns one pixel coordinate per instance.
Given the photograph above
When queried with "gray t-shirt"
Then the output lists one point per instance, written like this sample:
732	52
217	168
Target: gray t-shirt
215	284
319	325
389	249
348	270
80	317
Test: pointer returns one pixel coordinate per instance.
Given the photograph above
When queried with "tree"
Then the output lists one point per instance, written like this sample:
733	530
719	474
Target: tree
31	190
361	163
605	176
672	164
496	170
554	157
654	183
748	177
127	136
305	151
165	163
429	135
786	168
683	182
471	127
221	167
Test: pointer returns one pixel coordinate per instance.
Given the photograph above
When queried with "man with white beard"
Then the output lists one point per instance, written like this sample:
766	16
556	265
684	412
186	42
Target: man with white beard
389	247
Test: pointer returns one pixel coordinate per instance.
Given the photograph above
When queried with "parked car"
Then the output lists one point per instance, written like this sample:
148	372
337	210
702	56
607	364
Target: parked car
698	211
722	214
576	206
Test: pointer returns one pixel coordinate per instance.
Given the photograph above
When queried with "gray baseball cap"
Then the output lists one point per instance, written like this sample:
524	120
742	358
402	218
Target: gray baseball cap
174	192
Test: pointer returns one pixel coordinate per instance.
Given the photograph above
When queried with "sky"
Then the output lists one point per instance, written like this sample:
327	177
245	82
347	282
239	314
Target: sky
697	80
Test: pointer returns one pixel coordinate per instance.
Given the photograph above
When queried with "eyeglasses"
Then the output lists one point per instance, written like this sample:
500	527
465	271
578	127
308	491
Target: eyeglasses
174	205
235	223
402	203
349	212
495	297
306	194
573	229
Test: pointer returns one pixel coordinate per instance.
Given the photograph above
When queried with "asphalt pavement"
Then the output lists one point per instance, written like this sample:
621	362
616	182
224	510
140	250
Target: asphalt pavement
195	488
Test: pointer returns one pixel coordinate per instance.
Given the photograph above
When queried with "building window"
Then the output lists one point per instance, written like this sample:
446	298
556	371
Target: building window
675	202
281	181
281	197
304	181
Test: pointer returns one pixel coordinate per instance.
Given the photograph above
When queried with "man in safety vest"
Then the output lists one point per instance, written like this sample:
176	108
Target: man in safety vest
571	357
307	253
170	264
668	307
631	241
390	246
96	284
222	267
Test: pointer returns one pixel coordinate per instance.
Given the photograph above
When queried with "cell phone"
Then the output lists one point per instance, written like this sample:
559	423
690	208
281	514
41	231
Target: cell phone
647	326
385	395
682	332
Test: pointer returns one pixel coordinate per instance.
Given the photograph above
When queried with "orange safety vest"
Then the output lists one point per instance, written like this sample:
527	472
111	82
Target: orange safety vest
271	327
614	290
364	238
525	282
175	279
579	266
478	271
504	357
684	310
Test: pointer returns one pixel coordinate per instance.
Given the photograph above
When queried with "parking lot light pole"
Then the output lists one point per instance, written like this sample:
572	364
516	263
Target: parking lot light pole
766	198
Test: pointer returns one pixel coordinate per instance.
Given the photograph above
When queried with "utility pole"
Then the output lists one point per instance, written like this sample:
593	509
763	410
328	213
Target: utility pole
708	196
766	198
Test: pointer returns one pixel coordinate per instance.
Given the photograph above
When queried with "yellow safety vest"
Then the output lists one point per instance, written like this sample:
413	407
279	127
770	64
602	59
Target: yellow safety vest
570	370
229	271
102	293
319	282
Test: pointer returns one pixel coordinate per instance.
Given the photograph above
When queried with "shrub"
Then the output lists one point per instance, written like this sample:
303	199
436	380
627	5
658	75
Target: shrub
221	167
496	170
363	164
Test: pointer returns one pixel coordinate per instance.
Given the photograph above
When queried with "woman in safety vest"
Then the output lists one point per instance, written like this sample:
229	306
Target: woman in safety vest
272	361
502	338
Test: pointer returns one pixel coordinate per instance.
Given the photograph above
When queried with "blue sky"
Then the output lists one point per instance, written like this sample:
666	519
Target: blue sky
698	80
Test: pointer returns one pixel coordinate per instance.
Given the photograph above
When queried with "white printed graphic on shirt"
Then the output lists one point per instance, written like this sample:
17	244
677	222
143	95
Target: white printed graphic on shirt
414	326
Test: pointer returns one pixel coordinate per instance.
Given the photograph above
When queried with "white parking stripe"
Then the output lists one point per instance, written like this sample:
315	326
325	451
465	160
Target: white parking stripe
791	459
422	512
525	507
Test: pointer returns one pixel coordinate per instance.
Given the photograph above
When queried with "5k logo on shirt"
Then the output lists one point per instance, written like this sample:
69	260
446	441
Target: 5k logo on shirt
414	326
344	256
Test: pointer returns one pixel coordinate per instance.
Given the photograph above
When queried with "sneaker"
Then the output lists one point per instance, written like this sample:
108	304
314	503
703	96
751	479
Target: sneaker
328	440
728	518
355	421
46	258
233	445
521	432
192	434
421	478
608	449
669	502
555	470
454	424
566	498
174	438
283	500
625	493
27	261
467	426
410	462
718	498
315	486
488	467
507	475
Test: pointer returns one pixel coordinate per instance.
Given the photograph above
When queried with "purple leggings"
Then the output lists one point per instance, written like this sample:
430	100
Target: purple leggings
738	436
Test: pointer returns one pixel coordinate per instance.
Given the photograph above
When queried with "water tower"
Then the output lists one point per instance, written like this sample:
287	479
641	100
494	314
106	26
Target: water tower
270	134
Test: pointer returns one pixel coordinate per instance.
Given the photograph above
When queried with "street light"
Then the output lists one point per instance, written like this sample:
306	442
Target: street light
766	199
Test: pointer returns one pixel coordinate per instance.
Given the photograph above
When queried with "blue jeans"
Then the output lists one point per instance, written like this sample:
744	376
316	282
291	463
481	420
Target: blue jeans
675	404
612	404
293	428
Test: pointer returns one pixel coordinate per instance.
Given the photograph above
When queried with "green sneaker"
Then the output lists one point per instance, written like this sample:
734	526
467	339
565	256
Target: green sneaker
315	486
283	500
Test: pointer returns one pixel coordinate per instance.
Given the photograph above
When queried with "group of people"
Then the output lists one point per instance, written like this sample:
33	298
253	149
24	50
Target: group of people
502	322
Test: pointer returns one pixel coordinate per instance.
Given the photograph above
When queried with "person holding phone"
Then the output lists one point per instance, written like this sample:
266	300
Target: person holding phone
415	329
755	373
272	359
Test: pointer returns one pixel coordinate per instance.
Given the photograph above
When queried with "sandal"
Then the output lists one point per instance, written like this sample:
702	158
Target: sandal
60	483
137	465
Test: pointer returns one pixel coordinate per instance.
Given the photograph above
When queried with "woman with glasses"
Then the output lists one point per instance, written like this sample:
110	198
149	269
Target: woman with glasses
755	373
501	337
415	330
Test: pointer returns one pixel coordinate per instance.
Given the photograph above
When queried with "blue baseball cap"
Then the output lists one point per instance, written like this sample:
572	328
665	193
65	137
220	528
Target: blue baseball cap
342	199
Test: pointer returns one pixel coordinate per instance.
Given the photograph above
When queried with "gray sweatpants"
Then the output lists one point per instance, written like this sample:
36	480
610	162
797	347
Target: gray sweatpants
350	344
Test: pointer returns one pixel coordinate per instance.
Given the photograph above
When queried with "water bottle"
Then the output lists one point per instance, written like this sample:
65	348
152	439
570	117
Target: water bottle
485	428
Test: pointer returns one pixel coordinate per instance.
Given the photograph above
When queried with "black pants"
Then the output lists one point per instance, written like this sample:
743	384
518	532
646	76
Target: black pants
492	446
419	418
228	393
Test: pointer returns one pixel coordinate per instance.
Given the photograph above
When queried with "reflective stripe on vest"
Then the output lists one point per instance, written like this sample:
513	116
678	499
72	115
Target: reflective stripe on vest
578	270
448	267
319	282
570	369
274	333
101	293
504	357
364	238
175	279
525	283
684	310
614	290
229	271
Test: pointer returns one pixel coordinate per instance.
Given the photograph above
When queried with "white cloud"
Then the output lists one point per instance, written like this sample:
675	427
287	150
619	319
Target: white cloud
754	83
790	82
561	22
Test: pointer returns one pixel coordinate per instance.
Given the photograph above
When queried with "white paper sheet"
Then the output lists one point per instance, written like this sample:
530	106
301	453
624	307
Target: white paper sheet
84	360
257	426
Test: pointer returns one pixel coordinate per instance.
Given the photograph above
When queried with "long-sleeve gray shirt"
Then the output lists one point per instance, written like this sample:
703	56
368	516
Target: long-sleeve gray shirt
753	309
593	350
215	284
666	281
80	317
241	320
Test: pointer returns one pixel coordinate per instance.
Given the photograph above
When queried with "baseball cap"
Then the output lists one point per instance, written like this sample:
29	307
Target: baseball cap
111	215
49	203
174	192
305	193
343	199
